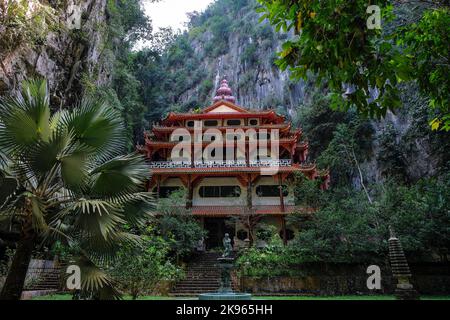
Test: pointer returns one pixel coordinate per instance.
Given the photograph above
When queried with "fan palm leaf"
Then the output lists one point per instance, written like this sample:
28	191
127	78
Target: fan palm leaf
96	125
123	174
25	118
64	175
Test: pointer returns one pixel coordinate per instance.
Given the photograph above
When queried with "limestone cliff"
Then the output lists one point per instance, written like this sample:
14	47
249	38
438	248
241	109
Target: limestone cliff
69	50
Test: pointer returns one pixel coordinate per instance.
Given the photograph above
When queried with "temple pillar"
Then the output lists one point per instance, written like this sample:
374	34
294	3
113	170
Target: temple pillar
192	155
249	191
190	194
280	186
283	229
158	187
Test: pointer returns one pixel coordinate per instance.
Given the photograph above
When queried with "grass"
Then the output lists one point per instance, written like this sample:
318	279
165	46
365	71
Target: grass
354	298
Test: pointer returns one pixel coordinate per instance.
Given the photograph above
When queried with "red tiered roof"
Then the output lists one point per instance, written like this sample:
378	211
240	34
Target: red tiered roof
267	115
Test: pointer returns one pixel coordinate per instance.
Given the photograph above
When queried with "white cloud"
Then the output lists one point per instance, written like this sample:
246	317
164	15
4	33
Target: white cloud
172	13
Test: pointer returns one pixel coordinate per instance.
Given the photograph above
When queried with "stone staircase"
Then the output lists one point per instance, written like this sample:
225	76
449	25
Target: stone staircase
202	276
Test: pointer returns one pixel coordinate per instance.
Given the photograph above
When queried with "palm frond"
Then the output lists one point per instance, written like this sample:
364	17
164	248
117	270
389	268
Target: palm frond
124	174
44	155
39	215
95	216
74	170
25	118
95	281
139	208
103	250
97	125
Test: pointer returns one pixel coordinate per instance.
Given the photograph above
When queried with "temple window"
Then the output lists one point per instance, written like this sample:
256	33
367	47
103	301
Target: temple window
190	124
220	192
211	123
234	122
253	122
266	191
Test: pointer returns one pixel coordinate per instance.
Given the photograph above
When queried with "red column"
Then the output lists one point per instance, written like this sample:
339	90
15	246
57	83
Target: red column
280	186
283	229
190	193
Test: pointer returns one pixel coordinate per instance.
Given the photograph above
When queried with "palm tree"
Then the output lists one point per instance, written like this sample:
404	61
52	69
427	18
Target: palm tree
62	176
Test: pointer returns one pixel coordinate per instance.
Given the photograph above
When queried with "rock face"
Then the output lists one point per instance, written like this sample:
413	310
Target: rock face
70	54
243	51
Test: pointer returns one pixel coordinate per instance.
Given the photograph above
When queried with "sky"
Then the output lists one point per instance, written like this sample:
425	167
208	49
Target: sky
172	13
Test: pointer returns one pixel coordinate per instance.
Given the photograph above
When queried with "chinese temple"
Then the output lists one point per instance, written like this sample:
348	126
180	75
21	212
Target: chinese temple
187	150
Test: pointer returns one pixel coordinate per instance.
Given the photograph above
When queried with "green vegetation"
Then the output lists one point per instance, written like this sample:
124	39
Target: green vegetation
347	228
21	27
334	43
139	268
177	226
67	180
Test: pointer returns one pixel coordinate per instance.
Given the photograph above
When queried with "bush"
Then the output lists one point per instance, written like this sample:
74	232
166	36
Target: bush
139	268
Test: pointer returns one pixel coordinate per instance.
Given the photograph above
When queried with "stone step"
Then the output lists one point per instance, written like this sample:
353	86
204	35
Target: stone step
189	293
202	276
204	270
215	280
197	289
198	285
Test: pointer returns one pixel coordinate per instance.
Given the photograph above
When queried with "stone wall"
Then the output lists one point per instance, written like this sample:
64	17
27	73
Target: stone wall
342	279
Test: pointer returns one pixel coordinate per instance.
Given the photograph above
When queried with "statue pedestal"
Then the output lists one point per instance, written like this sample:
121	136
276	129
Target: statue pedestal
226	266
225	291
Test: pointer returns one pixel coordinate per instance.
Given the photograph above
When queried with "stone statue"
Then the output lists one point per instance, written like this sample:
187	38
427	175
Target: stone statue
227	246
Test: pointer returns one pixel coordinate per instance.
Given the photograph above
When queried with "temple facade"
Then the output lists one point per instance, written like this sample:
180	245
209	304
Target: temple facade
232	162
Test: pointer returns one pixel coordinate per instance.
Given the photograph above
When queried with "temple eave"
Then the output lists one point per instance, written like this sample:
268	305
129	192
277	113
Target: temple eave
228	170
228	115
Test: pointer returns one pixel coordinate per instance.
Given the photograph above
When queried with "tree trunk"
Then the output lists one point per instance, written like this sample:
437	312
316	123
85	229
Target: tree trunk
12	289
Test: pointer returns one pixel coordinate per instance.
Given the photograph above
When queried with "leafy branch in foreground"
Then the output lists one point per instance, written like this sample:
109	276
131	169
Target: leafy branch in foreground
67	181
333	42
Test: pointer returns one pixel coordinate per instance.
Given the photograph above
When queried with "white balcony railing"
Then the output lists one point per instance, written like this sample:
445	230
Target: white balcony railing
169	164
220	164
271	163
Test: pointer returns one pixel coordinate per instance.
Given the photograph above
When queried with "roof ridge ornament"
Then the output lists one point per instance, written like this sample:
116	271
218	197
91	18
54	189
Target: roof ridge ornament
224	92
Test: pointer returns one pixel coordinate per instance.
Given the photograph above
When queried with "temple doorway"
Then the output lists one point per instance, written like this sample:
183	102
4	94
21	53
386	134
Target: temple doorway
217	227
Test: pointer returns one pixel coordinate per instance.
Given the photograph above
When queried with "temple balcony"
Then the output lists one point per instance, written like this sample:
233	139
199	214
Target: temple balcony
221	164
283	127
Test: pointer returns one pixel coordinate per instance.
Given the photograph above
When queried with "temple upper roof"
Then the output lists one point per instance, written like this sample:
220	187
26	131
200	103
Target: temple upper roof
224	93
224	107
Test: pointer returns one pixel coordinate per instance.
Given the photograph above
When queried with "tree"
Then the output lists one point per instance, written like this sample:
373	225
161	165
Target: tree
334	43
177	225
250	220
71	183
393	163
139	268
344	154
